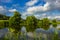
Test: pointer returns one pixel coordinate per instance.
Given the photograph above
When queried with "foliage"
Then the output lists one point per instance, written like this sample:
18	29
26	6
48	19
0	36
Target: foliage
31	23
54	23
14	21
39	24
45	23
4	17
4	23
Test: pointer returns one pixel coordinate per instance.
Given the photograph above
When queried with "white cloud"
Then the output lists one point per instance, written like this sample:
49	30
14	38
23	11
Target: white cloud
54	4
44	14
49	17
37	15
2	9
31	3
54	17
49	6
25	14
36	9
12	10
57	16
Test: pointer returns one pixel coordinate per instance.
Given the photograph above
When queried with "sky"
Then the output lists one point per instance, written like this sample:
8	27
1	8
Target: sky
38	8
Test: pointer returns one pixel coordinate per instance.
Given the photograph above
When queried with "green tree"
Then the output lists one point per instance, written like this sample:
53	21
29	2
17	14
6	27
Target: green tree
54	23
45	23
39	23
3	17
31	22
14	21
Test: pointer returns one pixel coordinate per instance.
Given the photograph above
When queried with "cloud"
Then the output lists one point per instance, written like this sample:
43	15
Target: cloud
37	15
41	16
52	17
31	3
49	17
49	6
40	9
57	16
44	14
5	11
36	9
12	10
25	14
54	4
2	9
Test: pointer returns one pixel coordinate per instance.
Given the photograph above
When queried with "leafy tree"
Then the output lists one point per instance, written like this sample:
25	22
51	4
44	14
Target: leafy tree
54	23
39	24
14	21
45	23
31	22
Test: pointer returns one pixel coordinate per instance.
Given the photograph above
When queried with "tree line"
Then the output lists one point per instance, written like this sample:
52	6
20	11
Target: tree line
4	17
31	23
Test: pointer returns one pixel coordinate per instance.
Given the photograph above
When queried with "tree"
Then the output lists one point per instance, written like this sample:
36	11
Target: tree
14	21
3	17
31	22
45	23
39	24
54	23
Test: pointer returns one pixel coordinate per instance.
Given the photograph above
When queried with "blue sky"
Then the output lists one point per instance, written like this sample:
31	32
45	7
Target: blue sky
38	8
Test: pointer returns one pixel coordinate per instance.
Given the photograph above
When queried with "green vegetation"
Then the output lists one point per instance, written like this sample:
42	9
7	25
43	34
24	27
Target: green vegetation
4	23
46	23
15	23
31	23
54	23
4	17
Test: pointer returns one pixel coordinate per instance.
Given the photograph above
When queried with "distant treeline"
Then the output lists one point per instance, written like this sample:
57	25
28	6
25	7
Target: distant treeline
31	22
4	17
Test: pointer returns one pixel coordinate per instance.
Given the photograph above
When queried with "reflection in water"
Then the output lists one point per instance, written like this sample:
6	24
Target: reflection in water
58	26
23	29
39	32
3	32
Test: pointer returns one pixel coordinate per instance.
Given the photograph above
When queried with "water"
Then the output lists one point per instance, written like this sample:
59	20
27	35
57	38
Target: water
3	32
39	32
